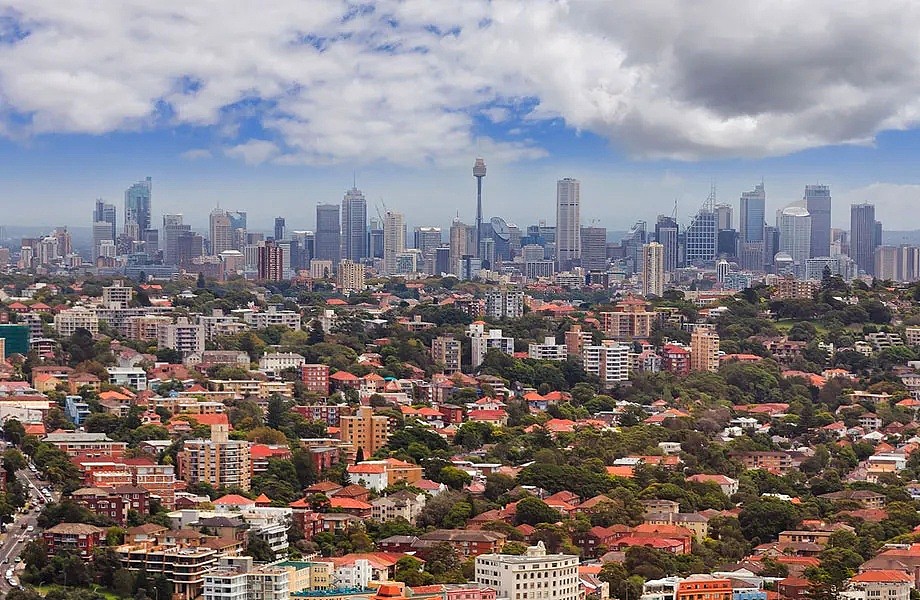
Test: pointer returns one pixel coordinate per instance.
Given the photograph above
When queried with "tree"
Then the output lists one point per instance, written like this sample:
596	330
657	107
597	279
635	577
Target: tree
275	414
764	518
442	558
259	549
533	511
13	461
409	571
14	431
454	478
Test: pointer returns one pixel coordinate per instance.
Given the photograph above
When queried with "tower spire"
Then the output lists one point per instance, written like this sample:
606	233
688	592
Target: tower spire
479	171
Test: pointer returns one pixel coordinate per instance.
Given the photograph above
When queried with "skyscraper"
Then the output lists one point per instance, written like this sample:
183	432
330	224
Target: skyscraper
479	171
794	224
594	248
458	244
863	237
723	216
394	240
173	227
752	215
101	232
375	239
138	200
653	269
354	225
328	245
568	222
427	241
818	203
105	213
221	231
702	234
279	228
666	233
271	261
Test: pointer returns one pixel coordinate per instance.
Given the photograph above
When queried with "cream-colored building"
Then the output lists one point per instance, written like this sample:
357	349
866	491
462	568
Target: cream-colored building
704	350
350	277
653	269
68	321
535	575
219	461
365	430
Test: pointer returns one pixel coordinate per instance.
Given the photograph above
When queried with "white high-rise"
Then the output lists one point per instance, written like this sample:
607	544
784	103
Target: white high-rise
568	222
394	240
221	231
794	224
653	269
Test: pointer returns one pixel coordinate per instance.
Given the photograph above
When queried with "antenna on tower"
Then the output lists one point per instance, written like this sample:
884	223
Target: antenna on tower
354	179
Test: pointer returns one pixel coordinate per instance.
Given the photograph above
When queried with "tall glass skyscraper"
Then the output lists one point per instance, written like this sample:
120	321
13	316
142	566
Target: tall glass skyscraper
354	225
568	222
137	204
818	204
328	240
863	236
752	214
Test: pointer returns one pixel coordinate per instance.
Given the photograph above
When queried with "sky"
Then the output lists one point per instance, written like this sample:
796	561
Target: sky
273	107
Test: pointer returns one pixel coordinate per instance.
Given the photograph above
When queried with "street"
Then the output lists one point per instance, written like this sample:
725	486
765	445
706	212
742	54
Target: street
16	537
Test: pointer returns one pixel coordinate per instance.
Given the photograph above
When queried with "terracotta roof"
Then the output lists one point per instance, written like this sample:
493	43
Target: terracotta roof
882	576
234	499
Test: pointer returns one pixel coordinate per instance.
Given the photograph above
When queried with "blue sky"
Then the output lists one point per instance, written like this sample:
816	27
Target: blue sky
644	103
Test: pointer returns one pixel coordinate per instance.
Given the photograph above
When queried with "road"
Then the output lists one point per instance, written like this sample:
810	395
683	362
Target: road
15	539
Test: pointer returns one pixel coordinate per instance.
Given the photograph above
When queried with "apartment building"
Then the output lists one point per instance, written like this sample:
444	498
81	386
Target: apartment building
445	350
609	361
630	319
315	378
774	462
483	340
77	538
879	585
182	336
90	444
704	350
68	321
365	430
275	362
219	461
237	578
132	377
504	304
145	328
548	350
273	316
535	575
185	567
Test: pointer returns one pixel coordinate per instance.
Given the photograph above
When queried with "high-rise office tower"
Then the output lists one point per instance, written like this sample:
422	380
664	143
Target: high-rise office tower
328	243
863	236
101	232
479	171
270	261
594	248
723	216
666	232
105	213
653	269
375	239
221	231
458	244
394	240
632	243
354	225
770	244
794	224
700	239
427	241
818	203
752	215
189	245
138	200
279	228
568	222
237	228
173	227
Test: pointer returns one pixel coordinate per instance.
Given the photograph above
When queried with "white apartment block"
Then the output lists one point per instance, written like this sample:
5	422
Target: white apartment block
548	350
272	316
218	324
133	377
275	362
117	295
68	321
608	361
483	340
534	575
182	336
505	304
236	578
912	335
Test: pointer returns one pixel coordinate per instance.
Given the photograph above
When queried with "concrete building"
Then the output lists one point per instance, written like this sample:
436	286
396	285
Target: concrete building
535	574
568	223
818	204
365	430
483	340
394	240
609	361
794	224
221	230
548	350
219	461
653	269
704	350
270	261
445	350
594	248
328	236
132	377
350	277
182	336
315	378
863	238
504	304
879	585
275	362
69	320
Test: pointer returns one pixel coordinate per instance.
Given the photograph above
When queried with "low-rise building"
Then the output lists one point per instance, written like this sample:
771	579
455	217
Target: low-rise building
535	574
77	538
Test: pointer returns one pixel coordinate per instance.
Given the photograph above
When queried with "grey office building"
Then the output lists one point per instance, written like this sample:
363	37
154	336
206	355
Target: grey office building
328	239
818	204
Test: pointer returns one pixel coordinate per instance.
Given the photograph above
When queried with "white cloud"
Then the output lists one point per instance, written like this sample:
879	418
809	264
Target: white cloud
402	81
253	152
196	154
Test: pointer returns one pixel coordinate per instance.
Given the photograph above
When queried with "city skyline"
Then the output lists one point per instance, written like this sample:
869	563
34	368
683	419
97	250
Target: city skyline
244	130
